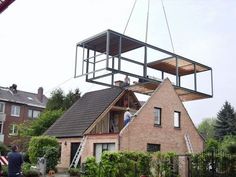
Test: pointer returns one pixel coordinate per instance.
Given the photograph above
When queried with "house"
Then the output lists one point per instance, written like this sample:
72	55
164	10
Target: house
17	106
95	124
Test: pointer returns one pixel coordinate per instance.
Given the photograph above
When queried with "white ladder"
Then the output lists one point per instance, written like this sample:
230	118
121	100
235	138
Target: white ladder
188	143
78	153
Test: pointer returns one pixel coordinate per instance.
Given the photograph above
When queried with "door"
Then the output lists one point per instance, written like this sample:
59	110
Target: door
74	147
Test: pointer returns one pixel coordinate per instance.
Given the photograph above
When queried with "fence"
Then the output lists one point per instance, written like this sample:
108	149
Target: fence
212	164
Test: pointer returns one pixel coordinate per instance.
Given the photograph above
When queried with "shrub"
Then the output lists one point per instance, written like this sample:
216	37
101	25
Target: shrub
4	170
37	144
51	155
3	149
74	172
91	167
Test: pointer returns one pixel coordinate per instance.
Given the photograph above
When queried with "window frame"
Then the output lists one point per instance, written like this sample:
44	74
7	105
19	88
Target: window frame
178	119
3	107
156	117
31	113
13	130
103	149
152	144
13	112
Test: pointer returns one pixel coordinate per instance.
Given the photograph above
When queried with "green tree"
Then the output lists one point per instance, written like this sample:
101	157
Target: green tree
225	122
59	100
56	100
41	124
206	128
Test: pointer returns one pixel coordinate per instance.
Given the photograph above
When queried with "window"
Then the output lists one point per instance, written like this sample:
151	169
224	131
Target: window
99	148
13	129
177	119
157	116
1	127
2	106
153	147
33	113
15	110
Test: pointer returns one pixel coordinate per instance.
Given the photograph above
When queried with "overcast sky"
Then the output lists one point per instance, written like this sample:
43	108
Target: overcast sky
38	38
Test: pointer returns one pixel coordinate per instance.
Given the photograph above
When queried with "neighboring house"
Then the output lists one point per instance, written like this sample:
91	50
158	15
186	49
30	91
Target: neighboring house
16	107
96	122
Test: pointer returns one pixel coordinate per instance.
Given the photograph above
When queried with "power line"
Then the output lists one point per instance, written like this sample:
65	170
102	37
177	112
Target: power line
53	88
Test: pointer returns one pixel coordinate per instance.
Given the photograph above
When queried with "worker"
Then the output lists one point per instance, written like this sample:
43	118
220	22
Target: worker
127	116
127	80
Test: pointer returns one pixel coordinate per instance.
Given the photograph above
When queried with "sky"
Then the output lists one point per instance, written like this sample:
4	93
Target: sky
38	39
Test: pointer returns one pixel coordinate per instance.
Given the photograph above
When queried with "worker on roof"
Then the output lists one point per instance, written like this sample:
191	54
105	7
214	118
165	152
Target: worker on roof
127	116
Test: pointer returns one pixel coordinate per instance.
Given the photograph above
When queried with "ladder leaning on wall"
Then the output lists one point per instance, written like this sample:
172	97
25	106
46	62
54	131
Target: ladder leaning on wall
188	143
78	153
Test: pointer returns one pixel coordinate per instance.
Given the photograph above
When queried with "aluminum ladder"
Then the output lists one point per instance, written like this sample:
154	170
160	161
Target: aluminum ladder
78	153
188	143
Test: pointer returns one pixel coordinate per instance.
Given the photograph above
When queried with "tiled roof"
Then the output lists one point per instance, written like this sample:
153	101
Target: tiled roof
83	113
21	97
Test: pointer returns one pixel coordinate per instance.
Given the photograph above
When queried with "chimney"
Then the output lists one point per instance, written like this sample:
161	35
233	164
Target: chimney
40	94
13	88
119	83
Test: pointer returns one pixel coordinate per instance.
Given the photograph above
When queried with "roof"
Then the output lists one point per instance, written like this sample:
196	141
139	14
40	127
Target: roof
22	97
83	113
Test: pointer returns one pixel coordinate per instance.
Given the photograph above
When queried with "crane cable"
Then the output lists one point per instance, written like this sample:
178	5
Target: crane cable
129	16
147	20
167	24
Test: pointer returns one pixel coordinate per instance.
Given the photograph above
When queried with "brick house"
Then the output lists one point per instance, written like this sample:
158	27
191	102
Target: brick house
16	107
96	122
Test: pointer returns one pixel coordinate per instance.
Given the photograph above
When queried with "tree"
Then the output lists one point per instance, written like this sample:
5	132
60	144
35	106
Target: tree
206	128
225	122
59	100
41	124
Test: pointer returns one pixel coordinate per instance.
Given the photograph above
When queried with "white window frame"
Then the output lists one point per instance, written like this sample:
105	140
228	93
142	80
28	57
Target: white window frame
13	130
103	147
14	111
157	116
177	117
3	107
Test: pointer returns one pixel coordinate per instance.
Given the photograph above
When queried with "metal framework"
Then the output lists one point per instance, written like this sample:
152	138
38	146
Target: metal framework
108	56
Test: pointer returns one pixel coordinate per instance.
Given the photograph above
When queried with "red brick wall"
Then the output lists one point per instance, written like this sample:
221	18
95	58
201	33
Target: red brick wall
8	139
142	130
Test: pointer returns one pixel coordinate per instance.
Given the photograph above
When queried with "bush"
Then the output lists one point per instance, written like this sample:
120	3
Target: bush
3	149
37	144
74	172
117	164
4	170
51	155
91	167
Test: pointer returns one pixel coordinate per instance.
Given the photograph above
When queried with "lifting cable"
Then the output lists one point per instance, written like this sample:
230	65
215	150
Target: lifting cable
167	24
147	22
130	16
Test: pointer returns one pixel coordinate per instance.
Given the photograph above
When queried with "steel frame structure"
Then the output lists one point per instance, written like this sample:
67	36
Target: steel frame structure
107	49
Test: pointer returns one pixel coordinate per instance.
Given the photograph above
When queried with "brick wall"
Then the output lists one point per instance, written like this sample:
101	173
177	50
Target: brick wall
142	130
